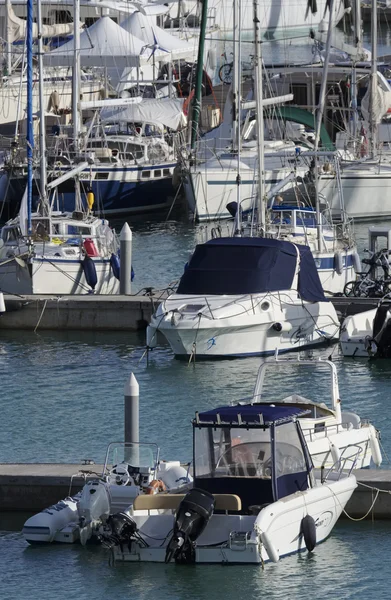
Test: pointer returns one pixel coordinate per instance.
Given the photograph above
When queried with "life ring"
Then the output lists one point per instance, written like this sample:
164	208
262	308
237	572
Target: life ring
155	487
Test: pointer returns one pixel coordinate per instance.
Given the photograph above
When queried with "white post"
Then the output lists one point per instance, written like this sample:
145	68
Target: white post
131	405
125	239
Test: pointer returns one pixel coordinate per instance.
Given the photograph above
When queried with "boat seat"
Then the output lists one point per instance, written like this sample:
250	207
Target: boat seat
227	502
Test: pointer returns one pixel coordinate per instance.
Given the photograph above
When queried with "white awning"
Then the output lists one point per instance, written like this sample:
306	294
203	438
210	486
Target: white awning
142	27
167	112
105	44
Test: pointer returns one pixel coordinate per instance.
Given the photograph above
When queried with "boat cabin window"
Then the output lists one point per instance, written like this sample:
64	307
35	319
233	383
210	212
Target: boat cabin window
77	230
230	452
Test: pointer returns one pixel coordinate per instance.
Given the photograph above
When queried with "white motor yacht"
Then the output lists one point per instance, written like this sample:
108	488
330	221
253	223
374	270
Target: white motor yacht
256	496
242	296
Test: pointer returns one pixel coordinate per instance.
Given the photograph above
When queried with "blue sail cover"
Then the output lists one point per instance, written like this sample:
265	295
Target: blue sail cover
249	265
250	414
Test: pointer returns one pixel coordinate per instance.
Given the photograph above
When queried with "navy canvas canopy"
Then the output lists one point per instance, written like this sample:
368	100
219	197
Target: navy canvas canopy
250	414
250	265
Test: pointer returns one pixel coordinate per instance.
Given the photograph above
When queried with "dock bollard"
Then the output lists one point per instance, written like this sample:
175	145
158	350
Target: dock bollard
131	404
125	239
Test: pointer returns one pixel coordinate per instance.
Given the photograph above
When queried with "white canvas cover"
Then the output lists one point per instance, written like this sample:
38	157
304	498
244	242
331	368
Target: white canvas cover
168	112
143	28
17	28
381	104
105	44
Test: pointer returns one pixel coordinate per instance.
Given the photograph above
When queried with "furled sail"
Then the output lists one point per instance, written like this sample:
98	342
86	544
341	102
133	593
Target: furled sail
16	29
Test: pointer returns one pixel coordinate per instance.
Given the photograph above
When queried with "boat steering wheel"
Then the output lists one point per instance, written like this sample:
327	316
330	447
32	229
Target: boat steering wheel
118	475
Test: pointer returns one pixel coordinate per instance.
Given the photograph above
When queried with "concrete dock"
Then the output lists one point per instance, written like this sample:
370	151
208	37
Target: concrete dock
33	487
109	313
87	313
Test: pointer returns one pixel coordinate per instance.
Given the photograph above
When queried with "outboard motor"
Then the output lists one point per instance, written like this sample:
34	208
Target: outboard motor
382	331
192	516
93	507
120	527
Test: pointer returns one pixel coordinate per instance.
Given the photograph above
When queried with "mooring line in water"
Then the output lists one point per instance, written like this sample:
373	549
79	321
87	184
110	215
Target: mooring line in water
41	315
370	508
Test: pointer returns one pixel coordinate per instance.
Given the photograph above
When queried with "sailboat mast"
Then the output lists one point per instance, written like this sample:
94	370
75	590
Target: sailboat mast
42	126
373	95
353	88
258	90
319	118
76	75
199	75
30	129
8	44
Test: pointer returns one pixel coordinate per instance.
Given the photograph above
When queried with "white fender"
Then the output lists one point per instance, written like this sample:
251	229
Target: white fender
281	326
356	262
173	476
338	262
151	336
375	447
335	454
269	547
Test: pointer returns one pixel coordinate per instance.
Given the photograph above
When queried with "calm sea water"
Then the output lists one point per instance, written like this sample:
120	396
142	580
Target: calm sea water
62	400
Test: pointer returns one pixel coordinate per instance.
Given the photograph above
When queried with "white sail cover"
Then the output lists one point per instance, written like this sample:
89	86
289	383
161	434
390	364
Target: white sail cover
167	112
381	104
143	28
106	44
16	28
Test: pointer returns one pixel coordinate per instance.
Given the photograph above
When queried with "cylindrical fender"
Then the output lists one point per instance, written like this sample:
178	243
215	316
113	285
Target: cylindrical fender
375	447
356	262
308	530
338	262
151	336
269	547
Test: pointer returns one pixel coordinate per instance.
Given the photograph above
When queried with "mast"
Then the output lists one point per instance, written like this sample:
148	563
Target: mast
8	43
319	118
76	94
199	74
237	80
353	91
258	90
30	130
42	126
76	75
373	95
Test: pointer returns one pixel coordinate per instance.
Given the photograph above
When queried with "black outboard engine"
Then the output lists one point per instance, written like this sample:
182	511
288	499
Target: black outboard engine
382	331
122	529
192	516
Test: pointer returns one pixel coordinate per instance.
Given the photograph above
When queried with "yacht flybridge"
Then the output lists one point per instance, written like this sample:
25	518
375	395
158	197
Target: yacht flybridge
256	496
242	296
328	430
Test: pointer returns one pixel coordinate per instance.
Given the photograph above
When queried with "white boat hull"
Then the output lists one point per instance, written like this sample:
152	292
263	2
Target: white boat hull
55	275
232	539
358	187
255	332
356	333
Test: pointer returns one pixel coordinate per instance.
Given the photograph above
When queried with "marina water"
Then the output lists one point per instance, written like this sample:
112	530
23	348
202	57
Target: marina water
62	401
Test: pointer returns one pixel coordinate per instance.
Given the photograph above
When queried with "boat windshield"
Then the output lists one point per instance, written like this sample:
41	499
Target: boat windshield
137	455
